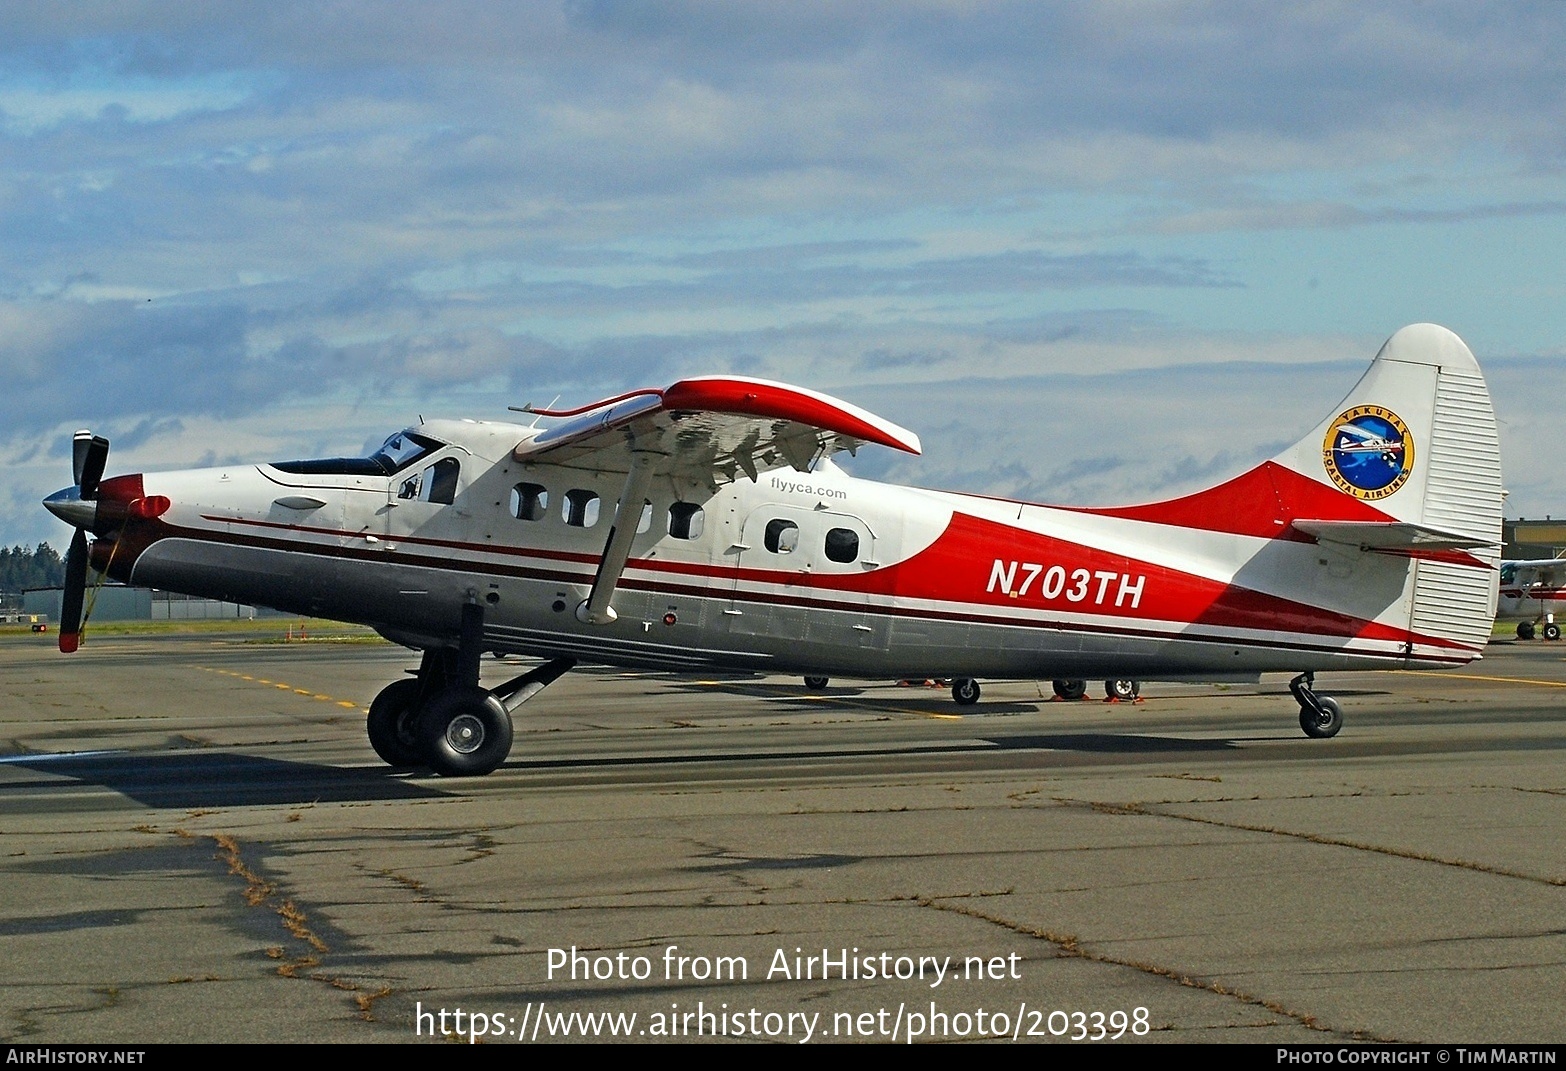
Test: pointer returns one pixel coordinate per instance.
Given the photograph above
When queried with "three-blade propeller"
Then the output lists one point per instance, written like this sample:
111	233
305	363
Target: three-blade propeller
89	454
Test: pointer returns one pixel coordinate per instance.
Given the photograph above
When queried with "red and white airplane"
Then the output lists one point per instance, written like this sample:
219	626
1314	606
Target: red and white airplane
703	525
1532	593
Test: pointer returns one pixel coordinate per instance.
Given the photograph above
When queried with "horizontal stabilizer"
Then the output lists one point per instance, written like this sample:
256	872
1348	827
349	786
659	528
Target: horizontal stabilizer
1390	535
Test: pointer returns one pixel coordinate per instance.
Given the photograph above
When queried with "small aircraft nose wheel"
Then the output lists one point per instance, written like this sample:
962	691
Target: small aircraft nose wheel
465	731
965	690
392	724
1069	689
1123	690
1324	723
816	684
1320	715
1552	631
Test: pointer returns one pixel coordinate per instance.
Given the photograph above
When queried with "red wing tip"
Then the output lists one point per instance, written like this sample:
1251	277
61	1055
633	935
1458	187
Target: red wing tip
69	641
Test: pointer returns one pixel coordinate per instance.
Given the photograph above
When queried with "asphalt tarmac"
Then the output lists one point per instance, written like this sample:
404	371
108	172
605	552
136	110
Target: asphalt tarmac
199	845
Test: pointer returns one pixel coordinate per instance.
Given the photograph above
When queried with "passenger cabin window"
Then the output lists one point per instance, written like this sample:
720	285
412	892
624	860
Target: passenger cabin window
580	508
685	520
842	545
529	502
782	537
644	522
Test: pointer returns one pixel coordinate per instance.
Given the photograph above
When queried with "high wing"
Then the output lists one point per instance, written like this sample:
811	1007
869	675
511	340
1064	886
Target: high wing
705	432
711	428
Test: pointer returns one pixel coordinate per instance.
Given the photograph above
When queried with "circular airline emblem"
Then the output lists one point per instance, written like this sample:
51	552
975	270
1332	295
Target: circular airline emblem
1368	451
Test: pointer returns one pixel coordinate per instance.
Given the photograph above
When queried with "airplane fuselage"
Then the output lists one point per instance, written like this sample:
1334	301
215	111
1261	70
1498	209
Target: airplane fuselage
803	572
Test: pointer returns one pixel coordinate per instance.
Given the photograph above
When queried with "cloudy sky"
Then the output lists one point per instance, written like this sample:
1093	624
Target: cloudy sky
1092	252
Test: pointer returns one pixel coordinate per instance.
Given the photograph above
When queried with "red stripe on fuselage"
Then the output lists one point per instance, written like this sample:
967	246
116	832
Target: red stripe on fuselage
1260	503
957	569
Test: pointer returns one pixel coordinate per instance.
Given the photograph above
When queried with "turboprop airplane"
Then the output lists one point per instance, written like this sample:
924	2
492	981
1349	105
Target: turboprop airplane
704	525
1532	593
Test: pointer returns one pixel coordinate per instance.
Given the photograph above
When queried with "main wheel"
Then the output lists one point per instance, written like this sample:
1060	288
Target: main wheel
393	724
965	690
816	684
1525	630
1325	724
1069	689
1552	631
465	732
1123	690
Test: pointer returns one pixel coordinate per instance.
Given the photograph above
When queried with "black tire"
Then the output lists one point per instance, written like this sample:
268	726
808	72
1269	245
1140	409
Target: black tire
1327	723
816	684
465	732
1069	689
393	724
1525	630
1123	690
965	691
1552	631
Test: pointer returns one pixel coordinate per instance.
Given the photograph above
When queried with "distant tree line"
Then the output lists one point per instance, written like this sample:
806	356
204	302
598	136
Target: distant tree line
21	568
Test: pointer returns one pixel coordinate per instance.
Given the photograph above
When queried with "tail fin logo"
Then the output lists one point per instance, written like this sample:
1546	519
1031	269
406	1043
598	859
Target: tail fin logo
1368	452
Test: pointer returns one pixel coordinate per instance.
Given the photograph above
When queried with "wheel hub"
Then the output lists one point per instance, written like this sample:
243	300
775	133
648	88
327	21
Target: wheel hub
465	734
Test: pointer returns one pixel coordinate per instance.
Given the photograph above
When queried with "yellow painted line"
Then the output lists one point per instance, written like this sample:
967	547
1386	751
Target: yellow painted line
287	688
1480	677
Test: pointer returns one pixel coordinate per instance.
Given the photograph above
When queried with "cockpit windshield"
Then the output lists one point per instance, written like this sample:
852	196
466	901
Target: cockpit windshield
396	453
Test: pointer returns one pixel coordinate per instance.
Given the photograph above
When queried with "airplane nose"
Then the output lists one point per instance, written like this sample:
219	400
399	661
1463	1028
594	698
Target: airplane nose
67	505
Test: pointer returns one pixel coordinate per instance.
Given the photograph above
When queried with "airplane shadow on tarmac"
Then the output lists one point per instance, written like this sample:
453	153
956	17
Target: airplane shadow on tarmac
196	781
193	781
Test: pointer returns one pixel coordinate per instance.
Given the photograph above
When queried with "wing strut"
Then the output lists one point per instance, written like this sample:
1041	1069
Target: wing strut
617	548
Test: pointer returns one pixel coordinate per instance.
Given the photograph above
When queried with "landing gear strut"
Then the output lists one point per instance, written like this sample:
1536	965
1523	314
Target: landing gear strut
443	719
1320	715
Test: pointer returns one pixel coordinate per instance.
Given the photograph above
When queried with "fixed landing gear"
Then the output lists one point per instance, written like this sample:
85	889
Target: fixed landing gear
443	719
1320	715
1122	691
1525	630
1069	689
393	718
816	684
965	691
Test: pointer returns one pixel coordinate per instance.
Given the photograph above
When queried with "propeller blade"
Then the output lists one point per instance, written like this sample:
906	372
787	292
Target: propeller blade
89	454
75	592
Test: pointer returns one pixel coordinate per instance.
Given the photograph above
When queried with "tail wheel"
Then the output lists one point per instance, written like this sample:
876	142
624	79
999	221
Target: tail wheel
393	724
1069	689
465	732
1325	723
965	690
816	684
1123	690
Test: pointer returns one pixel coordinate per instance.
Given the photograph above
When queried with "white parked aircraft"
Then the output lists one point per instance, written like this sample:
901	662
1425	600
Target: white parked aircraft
1532	593
704	525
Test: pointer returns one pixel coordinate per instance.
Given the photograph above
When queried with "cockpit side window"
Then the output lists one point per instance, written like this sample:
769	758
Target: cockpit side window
440	481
